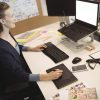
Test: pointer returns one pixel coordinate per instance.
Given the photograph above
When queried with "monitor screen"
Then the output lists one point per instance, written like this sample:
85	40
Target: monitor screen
59	7
87	12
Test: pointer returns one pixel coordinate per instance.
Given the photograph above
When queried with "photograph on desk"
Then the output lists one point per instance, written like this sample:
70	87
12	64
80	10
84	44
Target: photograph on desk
67	77
65	94
83	94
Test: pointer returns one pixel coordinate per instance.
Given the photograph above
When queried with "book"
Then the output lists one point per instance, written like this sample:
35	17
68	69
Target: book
67	77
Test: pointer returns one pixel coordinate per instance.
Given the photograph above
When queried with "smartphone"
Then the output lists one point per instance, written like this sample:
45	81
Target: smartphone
79	68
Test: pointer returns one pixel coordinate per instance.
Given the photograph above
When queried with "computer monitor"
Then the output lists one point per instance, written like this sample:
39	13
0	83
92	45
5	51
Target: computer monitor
59	7
87	12
97	1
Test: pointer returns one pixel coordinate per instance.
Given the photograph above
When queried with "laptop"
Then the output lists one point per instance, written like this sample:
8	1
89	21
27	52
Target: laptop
86	21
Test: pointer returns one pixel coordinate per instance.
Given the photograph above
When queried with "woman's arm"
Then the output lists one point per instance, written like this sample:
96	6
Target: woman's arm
34	49
46	77
51	75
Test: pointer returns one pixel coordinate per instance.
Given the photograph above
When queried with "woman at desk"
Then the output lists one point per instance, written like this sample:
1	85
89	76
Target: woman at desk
13	67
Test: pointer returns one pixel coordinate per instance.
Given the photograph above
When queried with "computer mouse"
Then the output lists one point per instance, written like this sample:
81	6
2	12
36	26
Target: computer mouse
76	60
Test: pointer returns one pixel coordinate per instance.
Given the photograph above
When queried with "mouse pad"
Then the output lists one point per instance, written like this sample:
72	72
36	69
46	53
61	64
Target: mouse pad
66	78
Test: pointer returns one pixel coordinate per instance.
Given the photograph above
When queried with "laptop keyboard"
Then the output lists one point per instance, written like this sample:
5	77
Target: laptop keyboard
75	31
55	53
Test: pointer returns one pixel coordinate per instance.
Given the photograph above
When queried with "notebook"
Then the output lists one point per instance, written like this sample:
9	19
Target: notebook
95	55
67	77
86	21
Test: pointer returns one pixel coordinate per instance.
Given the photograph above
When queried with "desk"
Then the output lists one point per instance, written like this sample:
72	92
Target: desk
38	63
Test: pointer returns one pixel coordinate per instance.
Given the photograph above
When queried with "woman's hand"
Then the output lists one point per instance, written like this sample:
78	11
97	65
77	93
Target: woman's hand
52	75
55	74
38	48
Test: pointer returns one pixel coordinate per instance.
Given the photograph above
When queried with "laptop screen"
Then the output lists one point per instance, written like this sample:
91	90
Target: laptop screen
87	12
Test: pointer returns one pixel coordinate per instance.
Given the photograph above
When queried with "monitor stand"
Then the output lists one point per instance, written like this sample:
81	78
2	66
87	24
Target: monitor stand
80	44
85	41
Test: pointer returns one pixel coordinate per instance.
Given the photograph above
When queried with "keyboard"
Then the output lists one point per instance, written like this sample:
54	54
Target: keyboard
54	53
